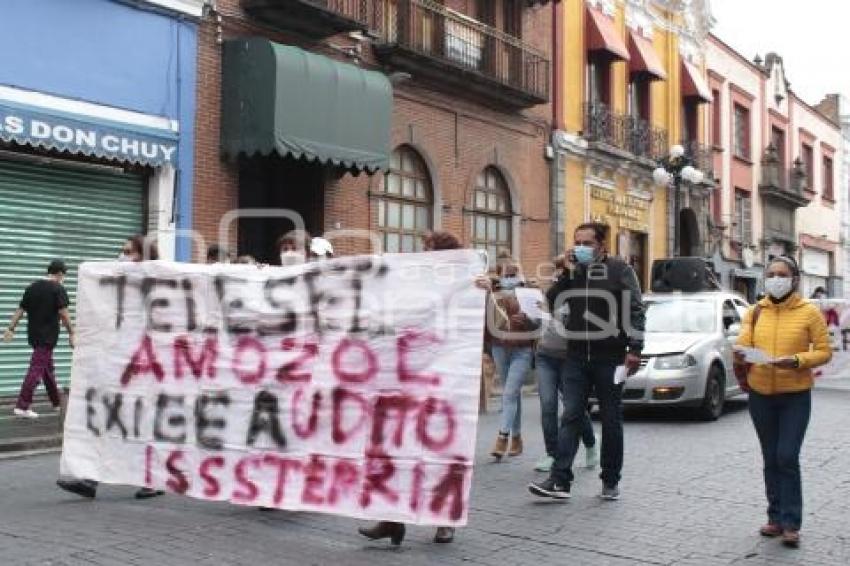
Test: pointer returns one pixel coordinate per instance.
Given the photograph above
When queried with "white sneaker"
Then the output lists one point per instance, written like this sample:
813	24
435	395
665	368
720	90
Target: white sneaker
25	413
591	455
544	464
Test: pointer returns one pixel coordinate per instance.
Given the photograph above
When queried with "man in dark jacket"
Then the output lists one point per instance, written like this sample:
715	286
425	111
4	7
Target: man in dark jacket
605	330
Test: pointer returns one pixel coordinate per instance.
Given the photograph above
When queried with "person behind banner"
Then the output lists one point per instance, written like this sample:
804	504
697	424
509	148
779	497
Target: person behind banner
432	241
321	249
136	248
216	253
550	363
510	333
599	342
793	332
45	303
293	248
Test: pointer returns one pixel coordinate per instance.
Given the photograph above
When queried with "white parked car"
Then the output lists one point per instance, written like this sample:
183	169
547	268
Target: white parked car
687	355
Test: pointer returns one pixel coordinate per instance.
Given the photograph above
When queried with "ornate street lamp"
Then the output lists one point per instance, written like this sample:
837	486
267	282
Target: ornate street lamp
672	170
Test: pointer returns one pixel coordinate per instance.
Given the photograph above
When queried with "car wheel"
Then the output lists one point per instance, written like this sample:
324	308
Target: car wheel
714	398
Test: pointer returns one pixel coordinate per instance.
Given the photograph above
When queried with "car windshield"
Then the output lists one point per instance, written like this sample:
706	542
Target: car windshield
681	315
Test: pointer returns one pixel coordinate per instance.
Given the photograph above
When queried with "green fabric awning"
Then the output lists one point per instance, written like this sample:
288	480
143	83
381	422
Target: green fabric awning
282	99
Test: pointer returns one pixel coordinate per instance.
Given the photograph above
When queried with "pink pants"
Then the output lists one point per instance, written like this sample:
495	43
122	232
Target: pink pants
41	369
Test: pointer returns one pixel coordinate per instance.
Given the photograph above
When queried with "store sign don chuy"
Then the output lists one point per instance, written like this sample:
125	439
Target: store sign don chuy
78	134
347	387
624	211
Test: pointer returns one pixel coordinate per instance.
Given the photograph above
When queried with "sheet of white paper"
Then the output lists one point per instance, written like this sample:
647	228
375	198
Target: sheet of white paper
620	375
529	301
754	355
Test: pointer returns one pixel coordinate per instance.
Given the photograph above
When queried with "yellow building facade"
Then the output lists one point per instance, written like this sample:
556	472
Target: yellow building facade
629	85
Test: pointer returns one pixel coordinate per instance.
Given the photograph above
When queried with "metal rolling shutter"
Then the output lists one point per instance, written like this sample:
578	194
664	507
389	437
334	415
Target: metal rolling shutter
52	211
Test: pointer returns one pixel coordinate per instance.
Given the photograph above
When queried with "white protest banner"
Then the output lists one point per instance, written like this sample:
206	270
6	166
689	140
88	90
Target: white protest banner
347	387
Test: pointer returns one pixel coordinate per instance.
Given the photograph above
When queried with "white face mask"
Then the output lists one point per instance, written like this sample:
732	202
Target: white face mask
291	258
777	287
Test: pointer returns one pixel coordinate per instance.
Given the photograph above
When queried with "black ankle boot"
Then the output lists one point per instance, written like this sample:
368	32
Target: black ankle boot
384	529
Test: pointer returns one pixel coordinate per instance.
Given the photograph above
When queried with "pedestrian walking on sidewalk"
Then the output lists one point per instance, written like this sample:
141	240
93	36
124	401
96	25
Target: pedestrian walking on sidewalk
510	333
792	332
550	365
599	341
45	303
136	248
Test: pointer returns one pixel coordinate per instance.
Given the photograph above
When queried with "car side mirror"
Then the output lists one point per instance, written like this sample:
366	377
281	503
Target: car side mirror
734	329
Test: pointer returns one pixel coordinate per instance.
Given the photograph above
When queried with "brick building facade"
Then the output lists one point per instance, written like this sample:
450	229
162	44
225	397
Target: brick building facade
446	137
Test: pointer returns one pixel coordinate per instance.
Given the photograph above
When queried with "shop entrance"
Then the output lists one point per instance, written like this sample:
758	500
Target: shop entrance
689	238
278	184
633	249
49	209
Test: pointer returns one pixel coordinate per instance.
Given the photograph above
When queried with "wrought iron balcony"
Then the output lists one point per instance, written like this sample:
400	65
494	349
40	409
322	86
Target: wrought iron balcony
427	39
315	18
622	132
773	180
702	157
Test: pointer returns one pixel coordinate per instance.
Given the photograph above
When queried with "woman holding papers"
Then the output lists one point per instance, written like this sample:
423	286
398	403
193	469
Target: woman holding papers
792	334
511	333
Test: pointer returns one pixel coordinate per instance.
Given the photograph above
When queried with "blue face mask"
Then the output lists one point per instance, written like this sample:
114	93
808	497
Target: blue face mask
508	283
584	254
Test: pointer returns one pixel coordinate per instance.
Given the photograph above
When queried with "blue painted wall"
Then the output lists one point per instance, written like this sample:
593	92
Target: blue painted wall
110	53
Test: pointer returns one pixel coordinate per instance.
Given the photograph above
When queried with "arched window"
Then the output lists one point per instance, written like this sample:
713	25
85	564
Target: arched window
491	213
405	207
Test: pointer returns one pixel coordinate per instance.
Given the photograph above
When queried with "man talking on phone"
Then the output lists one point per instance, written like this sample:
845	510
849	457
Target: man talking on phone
604	330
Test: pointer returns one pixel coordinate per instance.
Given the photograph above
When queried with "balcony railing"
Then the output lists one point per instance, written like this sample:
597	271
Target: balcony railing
319	18
356	10
430	30
702	157
626	133
774	174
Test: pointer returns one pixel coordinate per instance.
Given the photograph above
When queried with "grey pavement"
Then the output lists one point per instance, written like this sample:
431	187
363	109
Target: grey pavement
692	495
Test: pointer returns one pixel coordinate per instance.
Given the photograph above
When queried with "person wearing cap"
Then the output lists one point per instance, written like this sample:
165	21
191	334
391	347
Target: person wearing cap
45	303
320	248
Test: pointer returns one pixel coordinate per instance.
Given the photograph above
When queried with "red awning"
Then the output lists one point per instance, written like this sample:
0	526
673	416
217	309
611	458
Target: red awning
644	58
693	84
602	36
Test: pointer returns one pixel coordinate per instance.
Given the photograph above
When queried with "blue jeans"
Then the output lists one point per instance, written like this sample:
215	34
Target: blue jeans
577	379
781	422
549	372
513	365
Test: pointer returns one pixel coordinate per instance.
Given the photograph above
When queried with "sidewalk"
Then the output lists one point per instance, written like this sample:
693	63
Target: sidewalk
17	434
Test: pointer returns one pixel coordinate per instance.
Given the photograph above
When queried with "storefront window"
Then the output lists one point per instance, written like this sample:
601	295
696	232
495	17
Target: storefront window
405	208
491	217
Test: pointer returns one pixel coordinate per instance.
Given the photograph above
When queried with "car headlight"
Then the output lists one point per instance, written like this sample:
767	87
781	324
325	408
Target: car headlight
676	361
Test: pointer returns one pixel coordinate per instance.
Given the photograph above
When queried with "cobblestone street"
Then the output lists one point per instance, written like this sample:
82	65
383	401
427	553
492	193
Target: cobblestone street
692	494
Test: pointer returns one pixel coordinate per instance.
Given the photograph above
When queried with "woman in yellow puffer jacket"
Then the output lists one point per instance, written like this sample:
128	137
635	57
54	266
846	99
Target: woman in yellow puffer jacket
793	332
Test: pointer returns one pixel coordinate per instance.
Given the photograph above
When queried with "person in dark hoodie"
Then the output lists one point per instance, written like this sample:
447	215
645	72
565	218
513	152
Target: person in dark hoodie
605	330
